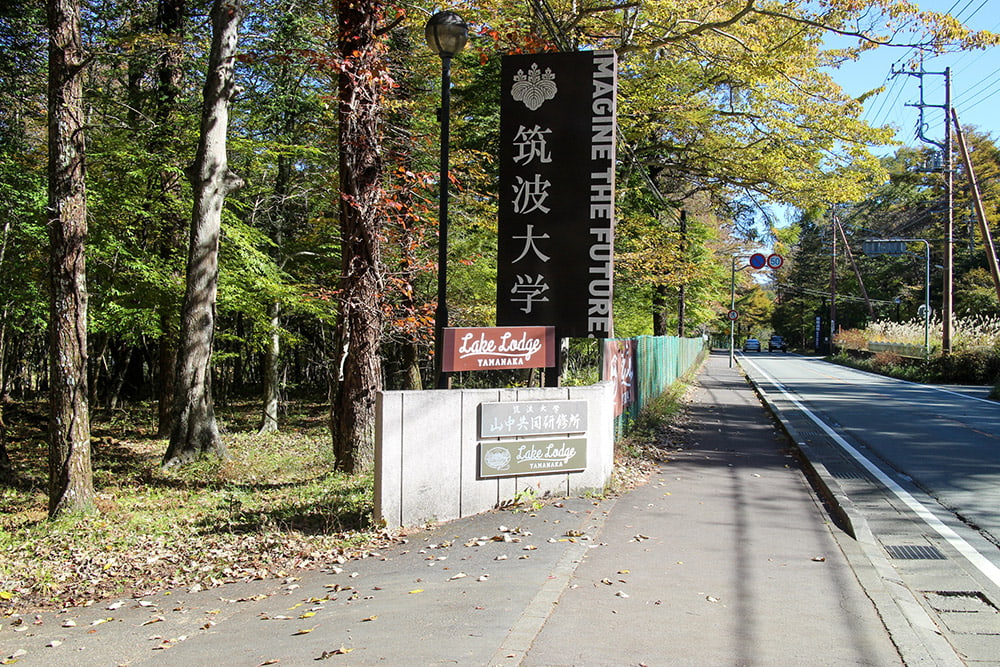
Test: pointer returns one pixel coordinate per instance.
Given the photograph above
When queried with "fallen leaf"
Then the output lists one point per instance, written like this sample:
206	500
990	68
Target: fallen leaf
340	651
416	590
304	631
712	598
69	623
155	619
115	605
622	594
460	575
819	559
308	614
370	618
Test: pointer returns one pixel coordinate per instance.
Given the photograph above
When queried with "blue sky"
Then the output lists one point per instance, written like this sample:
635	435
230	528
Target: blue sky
975	79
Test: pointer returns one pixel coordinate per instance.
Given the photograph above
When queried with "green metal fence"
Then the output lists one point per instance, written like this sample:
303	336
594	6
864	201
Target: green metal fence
645	367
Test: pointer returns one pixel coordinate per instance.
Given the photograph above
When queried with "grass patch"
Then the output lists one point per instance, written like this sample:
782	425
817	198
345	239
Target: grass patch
274	506
652	434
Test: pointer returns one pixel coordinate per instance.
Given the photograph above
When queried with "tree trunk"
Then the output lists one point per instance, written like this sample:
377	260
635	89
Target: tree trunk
194	432
7	475
661	312
71	483
116	379
167	355
170	21
269	423
360	318
3	344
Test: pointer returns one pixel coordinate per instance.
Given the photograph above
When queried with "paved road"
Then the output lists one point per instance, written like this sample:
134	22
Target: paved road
916	472
946	442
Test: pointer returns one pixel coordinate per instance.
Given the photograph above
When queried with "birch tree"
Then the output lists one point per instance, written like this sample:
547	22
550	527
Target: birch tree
194	431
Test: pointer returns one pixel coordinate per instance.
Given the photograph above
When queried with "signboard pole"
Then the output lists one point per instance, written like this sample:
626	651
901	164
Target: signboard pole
553	374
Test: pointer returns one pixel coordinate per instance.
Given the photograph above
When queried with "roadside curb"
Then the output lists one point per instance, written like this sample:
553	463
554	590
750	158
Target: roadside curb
911	628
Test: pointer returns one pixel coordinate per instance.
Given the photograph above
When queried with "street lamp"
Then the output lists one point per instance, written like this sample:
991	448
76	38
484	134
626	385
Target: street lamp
446	34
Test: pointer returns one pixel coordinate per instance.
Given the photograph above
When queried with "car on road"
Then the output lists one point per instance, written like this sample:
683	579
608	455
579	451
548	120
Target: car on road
751	345
777	343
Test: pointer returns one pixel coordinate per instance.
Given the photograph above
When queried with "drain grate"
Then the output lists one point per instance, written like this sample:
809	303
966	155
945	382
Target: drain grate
848	474
913	552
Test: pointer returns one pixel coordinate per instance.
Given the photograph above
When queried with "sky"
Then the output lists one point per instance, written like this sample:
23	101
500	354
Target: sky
975	80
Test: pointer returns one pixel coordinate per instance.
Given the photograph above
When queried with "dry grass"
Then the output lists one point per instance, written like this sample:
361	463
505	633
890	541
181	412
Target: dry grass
276	505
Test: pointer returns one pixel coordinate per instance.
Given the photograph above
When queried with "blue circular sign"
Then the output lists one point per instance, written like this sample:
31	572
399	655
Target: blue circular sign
775	261
758	260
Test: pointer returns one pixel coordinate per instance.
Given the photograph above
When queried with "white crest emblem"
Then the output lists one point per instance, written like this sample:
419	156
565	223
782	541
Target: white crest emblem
498	458
535	87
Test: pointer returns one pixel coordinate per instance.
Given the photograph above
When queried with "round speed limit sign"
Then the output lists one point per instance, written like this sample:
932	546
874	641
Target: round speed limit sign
775	261
732	315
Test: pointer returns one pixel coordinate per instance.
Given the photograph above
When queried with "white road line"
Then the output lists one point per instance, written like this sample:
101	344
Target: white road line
980	562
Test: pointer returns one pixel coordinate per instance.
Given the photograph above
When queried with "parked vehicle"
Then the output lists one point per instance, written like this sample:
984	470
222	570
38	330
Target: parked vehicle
777	343
751	345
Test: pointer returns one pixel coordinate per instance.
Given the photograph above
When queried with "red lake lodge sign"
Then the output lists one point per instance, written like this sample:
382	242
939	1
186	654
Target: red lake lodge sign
484	348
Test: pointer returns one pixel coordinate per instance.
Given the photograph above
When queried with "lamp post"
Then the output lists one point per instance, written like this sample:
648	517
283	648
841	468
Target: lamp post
446	34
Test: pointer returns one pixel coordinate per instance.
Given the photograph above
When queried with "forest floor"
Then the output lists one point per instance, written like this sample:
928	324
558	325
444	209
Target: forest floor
276	505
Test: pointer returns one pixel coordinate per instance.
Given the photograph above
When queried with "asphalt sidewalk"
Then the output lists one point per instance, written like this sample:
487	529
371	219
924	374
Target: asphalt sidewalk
725	557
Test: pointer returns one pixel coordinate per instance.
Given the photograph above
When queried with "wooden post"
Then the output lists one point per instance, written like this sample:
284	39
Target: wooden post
984	228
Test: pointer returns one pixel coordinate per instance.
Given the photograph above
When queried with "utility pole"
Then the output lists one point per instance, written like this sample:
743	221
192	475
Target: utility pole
949	229
854	265
949	182
984	227
682	291
833	287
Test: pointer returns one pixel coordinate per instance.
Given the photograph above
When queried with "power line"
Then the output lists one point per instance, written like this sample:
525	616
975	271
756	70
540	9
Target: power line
991	94
959	12
884	95
976	89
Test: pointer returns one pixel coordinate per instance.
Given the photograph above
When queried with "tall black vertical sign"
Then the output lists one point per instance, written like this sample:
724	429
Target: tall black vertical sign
557	192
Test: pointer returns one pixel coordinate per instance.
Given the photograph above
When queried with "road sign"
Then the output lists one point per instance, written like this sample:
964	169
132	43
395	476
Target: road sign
877	247
732	315
757	260
774	261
